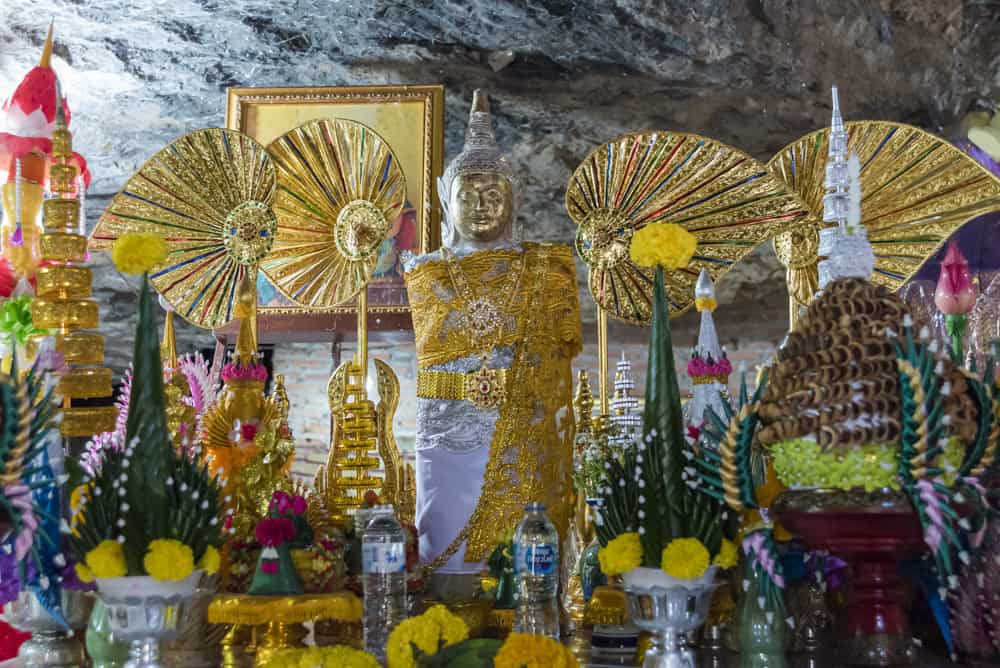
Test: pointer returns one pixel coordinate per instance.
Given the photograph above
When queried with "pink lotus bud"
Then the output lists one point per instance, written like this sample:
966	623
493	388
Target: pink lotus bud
955	293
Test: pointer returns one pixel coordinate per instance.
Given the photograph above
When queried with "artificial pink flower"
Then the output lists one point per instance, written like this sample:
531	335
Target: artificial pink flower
298	505
955	293
281	501
248	431
274	531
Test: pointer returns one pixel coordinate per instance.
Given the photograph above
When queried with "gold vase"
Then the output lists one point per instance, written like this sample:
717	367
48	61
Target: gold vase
23	258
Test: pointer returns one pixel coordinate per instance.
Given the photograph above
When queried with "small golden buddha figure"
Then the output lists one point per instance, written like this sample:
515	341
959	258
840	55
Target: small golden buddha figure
497	325
245	433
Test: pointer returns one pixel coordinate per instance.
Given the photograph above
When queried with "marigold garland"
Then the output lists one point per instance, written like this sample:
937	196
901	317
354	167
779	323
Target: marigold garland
139	253
523	650
339	656
168	560
622	554
107	560
665	244
83	574
728	555
430	632
210	561
685	558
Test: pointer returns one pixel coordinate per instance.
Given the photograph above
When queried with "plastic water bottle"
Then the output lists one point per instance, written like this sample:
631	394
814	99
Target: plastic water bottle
383	559
536	569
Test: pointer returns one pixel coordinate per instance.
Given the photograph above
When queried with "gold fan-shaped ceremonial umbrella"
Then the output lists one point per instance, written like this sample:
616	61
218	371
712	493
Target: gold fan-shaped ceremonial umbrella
722	196
916	190
209	195
340	190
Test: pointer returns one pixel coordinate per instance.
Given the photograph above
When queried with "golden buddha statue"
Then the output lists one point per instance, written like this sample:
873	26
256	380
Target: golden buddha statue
245	433
497	325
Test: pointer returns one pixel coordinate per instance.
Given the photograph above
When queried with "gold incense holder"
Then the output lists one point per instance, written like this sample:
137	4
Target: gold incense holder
279	619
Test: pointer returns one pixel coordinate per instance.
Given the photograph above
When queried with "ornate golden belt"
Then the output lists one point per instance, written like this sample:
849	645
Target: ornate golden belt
484	388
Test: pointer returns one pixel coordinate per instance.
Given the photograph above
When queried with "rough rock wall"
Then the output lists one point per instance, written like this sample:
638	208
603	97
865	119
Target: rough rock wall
564	76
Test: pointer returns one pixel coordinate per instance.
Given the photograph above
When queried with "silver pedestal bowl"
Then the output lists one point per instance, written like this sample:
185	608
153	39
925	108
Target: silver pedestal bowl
143	612
668	608
51	645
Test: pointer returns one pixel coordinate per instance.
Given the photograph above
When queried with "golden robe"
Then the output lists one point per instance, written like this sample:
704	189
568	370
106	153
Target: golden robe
477	468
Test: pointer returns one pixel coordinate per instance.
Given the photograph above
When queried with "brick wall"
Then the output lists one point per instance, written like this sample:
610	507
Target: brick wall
307	368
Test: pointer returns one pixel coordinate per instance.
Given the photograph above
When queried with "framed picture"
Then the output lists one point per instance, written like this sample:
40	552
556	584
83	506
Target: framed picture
411	120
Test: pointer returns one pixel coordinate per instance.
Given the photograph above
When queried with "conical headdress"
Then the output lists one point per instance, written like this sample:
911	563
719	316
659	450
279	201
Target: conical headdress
479	154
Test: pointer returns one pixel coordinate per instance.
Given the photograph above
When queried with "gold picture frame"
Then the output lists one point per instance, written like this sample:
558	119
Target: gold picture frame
411	120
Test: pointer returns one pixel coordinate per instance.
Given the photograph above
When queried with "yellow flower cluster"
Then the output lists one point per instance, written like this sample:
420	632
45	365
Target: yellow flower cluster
107	560
685	558
622	554
665	244
727	556
210	561
139	253
77	498
430	632
523	650
339	656
168	559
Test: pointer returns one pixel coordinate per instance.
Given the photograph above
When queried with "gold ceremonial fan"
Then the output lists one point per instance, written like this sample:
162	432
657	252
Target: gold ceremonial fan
340	188
209	195
916	190
722	196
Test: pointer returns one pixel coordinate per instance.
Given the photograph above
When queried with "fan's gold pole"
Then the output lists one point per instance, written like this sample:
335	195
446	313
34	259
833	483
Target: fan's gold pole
602	356
363	330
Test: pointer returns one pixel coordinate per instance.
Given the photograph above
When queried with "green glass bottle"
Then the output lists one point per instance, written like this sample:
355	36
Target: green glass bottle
761	632
104	652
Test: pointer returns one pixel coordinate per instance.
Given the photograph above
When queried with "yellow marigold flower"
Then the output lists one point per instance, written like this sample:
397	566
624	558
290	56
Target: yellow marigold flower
339	656
523	650
83	574
168	559
139	253
727	556
453	628
107	560
421	631
210	561
621	554
685	558
666	244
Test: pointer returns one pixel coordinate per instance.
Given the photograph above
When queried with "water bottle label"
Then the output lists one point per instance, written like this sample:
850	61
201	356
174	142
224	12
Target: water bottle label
383	557
537	559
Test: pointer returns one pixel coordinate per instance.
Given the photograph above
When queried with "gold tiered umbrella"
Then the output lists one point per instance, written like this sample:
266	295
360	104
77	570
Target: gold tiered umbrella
722	196
209	195
916	190
340	189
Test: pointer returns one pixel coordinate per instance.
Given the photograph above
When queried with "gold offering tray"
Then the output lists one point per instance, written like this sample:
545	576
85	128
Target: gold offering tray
262	625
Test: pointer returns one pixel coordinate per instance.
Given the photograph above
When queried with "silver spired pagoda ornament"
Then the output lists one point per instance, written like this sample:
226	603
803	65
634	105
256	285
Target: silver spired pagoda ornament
844	245
624	407
709	367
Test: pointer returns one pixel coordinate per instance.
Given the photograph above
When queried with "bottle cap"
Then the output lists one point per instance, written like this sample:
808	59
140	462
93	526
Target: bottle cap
534	507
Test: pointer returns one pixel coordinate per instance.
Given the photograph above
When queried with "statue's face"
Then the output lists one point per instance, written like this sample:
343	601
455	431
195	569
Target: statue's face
482	205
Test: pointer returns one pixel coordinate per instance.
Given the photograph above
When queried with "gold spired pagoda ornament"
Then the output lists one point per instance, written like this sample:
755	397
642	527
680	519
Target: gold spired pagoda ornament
209	195
917	190
722	196
341	188
63	295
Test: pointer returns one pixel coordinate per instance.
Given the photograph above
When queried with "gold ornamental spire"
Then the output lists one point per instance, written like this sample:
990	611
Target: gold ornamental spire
583	403
46	59
246	311
63	300
168	347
